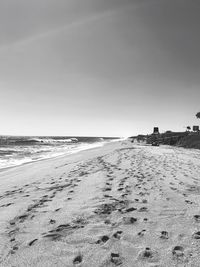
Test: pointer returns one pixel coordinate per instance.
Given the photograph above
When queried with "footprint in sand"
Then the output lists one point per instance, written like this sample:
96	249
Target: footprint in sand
197	218
71	191
143	209
164	235
103	239
53	236
115	258
12	222
188	201
130	209
149	255
117	234
14	249
178	251
142	233
196	235
32	242
120	189
22	218
78	259
129	220
6	205
107	189
107	221
57	209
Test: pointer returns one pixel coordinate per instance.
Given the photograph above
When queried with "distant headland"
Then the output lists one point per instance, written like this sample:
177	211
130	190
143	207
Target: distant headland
190	138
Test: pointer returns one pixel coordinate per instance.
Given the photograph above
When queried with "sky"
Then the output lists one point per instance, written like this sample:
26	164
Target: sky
98	67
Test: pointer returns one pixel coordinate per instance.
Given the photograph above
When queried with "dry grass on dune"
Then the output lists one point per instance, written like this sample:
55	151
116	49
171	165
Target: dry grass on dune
190	141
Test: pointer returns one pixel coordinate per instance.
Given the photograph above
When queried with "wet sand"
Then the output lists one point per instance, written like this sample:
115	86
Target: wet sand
118	205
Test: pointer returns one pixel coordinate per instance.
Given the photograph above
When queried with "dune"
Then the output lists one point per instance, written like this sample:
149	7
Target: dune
122	204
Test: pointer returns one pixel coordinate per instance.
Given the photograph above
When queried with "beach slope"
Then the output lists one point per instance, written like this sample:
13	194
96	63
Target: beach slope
118	205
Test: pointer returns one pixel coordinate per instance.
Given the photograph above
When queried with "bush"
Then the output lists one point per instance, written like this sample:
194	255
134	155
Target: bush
190	141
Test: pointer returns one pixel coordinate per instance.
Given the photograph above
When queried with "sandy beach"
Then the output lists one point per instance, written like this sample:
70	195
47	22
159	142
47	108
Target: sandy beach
118	205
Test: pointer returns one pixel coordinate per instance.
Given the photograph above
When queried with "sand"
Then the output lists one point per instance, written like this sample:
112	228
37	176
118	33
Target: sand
119	205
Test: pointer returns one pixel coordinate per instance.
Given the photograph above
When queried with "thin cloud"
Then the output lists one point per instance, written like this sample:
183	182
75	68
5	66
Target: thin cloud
77	23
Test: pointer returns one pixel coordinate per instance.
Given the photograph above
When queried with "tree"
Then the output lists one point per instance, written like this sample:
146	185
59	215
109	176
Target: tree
198	115
188	128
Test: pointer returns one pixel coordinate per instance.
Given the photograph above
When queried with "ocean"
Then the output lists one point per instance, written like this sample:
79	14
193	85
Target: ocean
17	150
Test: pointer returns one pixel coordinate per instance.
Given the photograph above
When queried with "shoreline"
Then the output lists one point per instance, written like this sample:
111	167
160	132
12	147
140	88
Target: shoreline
58	156
45	163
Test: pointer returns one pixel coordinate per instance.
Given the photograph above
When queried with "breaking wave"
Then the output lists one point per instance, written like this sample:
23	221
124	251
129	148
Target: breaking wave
16	151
